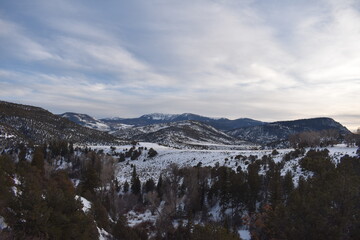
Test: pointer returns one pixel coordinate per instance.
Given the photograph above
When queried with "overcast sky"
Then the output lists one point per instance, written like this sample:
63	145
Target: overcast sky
268	60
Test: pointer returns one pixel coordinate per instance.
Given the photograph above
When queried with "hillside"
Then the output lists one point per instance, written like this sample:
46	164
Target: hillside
157	118
86	121
280	131
29	123
177	134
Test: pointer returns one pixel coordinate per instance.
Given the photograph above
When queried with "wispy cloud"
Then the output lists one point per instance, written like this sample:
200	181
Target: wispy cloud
269	60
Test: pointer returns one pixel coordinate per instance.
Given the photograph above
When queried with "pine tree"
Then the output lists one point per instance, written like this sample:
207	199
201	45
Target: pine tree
149	185
135	182
126	187
38	160
90	180
159	187
136	186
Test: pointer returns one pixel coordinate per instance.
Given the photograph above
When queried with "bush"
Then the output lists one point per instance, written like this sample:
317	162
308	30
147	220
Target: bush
152	153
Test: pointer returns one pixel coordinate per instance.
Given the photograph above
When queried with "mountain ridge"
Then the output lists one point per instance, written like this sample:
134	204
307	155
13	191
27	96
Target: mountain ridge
281	130
34	124
178	134
155	118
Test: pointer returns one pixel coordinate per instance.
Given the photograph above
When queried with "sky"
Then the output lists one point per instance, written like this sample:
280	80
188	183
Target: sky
267	60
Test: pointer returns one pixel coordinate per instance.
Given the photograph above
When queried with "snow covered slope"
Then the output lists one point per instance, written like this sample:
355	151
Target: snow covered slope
152	167
86	121
157	118
91	122
178	134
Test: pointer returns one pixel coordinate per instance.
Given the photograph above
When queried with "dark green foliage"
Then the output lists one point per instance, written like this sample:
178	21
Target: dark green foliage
274	152
67	220
216	233
100	215
254	185
123	232
122	157
90	180
126	187
136	186
287	184
43	208
38	160
7	170
152	153
135	154
30	213
149	185
135	183
317	161
298	152
159	187
22	152
323	207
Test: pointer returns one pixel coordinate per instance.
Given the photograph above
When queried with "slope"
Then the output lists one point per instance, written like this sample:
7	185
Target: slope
157	118
279	131
29	123
189	133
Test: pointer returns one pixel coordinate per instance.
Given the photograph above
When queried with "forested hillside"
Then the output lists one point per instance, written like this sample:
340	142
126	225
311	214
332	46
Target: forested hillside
60	191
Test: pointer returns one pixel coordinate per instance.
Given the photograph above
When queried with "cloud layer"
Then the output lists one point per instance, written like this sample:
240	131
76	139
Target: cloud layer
269	60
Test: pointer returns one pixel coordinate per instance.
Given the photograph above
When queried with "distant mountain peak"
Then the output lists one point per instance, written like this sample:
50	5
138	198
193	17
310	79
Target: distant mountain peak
160	116
155	118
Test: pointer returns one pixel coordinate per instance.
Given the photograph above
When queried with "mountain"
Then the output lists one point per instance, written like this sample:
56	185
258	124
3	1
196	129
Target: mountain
279	131
86	121
29	123
157	118
178	134
91	122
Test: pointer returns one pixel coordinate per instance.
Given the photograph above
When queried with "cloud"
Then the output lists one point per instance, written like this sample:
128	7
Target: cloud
14	42
268	60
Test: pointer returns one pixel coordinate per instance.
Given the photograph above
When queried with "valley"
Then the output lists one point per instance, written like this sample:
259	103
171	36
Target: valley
164	176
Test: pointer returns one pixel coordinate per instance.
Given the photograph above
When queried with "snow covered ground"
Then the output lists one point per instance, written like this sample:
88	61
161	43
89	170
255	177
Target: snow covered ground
152	167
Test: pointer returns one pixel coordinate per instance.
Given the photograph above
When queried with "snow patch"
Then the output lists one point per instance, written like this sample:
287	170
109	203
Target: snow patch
135	218
245	234
86	203
104	235
2	223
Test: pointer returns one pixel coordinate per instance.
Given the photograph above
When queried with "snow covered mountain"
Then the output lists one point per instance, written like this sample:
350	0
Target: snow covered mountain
280	131
189	133
91	122
86	121
156	118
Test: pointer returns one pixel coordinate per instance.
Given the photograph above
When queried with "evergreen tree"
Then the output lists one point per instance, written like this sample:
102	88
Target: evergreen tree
90	180
149	185
38	160
126	187
159	187
135	182
136	186
30	213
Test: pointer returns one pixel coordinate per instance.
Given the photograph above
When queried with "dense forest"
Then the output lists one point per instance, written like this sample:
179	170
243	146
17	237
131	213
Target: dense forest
42	187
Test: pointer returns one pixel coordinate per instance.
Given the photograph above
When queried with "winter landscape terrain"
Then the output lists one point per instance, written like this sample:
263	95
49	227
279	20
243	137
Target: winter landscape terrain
180	120
166	176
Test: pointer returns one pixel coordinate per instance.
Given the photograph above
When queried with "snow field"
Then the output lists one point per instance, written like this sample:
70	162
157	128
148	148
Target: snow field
152	167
